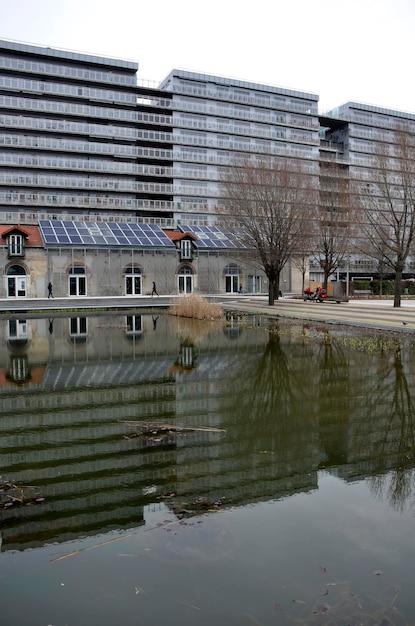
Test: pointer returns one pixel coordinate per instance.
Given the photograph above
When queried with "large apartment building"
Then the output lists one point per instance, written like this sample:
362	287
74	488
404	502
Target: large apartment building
215	119
82	139
354	138
79	139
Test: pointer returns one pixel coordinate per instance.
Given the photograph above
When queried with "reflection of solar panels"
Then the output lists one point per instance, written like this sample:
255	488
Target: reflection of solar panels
215	237
63	232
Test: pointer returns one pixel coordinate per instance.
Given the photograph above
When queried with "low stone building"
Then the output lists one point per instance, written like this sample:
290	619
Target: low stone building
23	260
101	259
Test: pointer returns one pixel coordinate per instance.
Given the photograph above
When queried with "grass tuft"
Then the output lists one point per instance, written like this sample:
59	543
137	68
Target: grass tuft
196	307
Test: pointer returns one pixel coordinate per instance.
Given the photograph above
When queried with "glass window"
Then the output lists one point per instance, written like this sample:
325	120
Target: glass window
77	281
133	281
186	249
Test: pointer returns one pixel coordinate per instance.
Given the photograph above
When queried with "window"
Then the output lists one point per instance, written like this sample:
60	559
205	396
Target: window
186	249
16	245
78	329
77	281
16	282
134	325
17	330
133	281
231	279
185	279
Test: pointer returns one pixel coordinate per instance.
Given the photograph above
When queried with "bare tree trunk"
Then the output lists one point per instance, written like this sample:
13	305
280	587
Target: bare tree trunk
398	288
326	279
271	292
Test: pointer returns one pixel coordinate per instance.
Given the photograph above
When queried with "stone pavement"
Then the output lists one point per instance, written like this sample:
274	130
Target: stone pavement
378	314
32	305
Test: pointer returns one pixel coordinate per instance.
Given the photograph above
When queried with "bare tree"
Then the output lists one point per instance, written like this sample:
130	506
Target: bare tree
270	198
301	259
333	222
388	217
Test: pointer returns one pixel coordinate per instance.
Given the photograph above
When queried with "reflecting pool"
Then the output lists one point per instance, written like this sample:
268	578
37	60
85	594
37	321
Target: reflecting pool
164	471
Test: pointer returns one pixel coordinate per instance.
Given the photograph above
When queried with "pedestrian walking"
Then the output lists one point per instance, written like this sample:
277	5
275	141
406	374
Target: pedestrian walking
154	291
50	292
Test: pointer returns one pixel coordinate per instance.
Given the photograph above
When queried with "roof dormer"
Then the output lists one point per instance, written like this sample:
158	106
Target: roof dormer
15	237
183	242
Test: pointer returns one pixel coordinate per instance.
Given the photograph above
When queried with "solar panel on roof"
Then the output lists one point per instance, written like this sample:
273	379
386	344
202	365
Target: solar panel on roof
50	239
216	237
98	233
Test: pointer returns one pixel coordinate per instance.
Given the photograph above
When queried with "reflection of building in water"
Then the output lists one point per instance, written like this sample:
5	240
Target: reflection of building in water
15	368
68	433
73	432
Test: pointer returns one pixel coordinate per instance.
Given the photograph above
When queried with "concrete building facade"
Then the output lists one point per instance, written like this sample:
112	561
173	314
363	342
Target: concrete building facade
99	259
82	139
79	139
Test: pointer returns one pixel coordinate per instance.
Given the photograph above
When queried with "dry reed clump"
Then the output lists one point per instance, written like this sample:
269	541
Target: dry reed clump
196	307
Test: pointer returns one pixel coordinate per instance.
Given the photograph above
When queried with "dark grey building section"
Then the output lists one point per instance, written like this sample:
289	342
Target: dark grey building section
79	138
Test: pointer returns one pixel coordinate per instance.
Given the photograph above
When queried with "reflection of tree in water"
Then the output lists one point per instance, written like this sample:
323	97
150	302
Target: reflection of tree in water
396	447
270	398
333	400
271	392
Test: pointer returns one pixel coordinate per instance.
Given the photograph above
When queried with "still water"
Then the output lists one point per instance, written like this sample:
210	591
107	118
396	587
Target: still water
159	471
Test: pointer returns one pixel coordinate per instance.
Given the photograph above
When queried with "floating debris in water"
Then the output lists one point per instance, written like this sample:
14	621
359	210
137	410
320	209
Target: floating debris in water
13	495
196	507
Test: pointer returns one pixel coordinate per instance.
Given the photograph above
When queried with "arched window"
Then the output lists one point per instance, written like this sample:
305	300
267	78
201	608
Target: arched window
16	281
133	283
185	279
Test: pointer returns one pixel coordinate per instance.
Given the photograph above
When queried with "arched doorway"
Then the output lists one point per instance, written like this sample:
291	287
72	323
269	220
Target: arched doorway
16	282
132	276
77	281
231	278
185	279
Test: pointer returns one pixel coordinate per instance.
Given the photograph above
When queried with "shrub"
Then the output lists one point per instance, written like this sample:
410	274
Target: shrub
362	285
410	286
388	287
197	307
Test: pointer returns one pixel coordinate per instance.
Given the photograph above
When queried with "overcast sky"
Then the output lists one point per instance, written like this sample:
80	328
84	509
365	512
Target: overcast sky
342	50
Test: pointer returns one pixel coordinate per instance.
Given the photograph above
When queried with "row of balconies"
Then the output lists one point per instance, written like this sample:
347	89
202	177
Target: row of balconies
202	189
248	98
76	200
64	108
90	111
130	151
59	70
10	123
273	116
110	131
68	182
105	167
97	204
84	92
277	132
23	216
95	166
59	125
